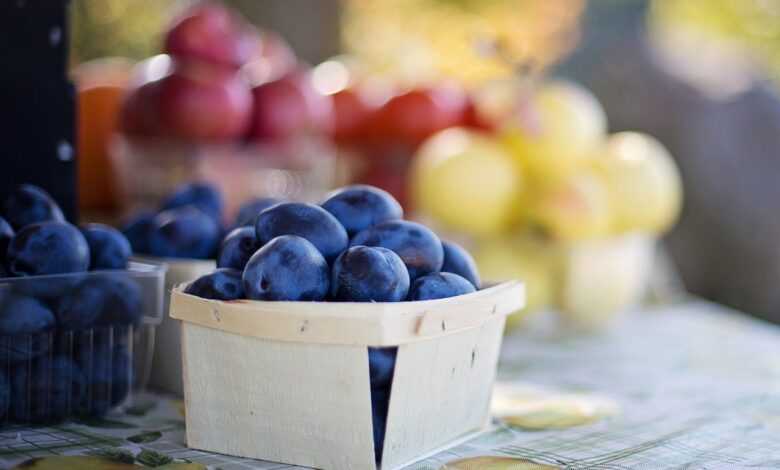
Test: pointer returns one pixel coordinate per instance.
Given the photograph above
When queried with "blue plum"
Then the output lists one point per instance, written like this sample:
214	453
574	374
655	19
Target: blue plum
123	300
47	248
288	267
380	402
381	364
236	249
359	206
5	394
369	274
106	300
81	308
419	248
186	232
28	204
222	284
138	229
108	248
6	234
439	286
48	289
458	261
311	222
47	390
108	372
248	212
24	326
204	196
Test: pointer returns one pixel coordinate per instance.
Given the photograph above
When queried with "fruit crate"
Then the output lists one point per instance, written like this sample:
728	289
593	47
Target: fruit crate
166	373
289	381
51	371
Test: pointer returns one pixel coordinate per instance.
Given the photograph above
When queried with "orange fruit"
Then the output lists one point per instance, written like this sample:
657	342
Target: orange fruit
101	85
98	112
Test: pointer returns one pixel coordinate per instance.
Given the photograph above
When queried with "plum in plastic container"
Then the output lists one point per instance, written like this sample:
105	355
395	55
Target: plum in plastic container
78	344
148	170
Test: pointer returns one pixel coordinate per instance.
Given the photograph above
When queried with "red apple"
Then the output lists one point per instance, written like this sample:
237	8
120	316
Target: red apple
352	111
273	60
413	116
289	106
389	174
211	33
204	104
474	119
139	115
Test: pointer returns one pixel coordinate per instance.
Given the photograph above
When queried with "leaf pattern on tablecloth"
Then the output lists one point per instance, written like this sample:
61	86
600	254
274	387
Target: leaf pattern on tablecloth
144	437
75	462
105	423
152	458
532	408
116	454
183	466
495	463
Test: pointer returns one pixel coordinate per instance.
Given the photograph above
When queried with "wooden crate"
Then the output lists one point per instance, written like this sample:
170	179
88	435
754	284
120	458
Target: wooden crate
289	381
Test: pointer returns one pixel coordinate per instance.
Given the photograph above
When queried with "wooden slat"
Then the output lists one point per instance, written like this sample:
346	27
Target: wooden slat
441	391
348	323
304	404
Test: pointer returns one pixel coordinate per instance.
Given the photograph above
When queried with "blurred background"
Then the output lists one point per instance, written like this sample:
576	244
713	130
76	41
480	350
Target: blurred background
609	152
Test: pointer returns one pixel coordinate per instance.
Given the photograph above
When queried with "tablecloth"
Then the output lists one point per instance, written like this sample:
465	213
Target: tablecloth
688	386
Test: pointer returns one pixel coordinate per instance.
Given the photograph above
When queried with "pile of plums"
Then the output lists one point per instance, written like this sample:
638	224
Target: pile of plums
353	247
188	223
67	308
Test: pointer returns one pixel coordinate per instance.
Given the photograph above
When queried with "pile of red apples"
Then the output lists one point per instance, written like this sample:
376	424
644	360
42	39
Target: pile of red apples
224	80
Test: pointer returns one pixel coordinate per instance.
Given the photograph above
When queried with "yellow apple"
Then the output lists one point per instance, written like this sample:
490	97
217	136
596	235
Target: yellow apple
603	278
574	208
530	260
643	180
555	129
467	182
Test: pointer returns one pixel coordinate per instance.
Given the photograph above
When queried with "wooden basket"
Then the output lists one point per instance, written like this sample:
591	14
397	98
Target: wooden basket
289	381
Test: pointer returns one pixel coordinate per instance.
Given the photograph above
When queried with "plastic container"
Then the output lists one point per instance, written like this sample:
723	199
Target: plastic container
148	170
165	375
289	381
93	348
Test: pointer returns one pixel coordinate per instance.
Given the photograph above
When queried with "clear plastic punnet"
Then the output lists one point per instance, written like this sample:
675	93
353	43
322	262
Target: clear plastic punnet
77	344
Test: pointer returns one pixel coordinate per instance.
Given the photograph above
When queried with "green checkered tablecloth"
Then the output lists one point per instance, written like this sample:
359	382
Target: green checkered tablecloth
691	386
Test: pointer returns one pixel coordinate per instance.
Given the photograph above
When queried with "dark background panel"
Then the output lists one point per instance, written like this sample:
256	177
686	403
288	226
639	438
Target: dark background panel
38	111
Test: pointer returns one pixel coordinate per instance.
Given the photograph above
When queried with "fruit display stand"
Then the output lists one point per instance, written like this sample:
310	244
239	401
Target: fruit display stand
166	363
289	381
